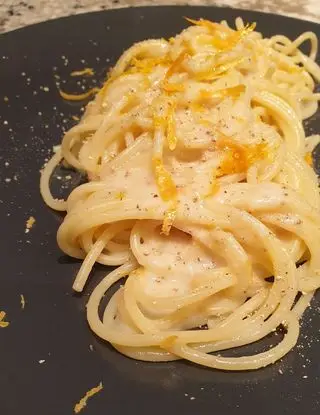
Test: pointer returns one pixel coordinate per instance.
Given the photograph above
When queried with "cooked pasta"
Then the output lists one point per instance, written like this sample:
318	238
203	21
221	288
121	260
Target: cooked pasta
200	192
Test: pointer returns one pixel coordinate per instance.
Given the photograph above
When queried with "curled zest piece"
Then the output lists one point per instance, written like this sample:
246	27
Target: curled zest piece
22	301
232	92
174	87
85	71
78	97
308	158
224	38
83	401
218	70
3	323
238	158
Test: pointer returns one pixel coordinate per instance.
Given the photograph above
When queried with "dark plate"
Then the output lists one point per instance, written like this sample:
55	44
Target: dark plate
53	327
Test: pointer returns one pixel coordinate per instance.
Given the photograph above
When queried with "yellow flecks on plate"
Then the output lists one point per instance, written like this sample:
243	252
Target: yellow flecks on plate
169	218
30	222
168	342
166	186
237	158
75	118
22	301
85	71
308	158
6	99
3	323
83	401
78	97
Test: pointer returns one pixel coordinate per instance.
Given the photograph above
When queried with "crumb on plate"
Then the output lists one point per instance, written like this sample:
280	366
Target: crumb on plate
83	401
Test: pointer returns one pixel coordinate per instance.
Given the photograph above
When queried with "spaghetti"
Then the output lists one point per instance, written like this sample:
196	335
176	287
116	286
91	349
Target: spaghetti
201	194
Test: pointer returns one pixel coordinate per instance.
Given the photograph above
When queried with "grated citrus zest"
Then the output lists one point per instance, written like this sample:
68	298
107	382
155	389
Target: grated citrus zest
78	97
166	186
171	135
83	401
237	158
308	158
30	222
174	87
22	301
146	65
216	71
233	92
212	26
3	323
169	218
85	71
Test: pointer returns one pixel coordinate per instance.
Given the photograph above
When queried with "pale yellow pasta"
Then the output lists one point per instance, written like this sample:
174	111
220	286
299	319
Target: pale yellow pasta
201	190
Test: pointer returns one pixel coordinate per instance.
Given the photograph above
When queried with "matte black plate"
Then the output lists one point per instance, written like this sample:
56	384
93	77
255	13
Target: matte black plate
53	327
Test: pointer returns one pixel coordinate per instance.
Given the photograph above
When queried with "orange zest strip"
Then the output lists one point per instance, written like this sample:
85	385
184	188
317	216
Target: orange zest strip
85	71
216	71
146	65
171	135
233	92
78	97
166	186
174	87
224	38
238	158
208	24
308	158
3	323
169	218
83	401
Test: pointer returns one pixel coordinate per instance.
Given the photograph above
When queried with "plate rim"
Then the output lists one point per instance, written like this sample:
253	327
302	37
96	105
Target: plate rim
144	8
